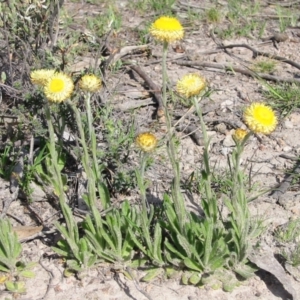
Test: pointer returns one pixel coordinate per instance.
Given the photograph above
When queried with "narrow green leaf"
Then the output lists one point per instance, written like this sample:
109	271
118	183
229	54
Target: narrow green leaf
152	274
157	244
192	265
195	278
27	274
208	240
171	248
184	244
104	195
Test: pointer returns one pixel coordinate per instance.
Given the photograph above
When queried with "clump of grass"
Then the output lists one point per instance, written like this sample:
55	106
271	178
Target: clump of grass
288	236
283	97
264	66
213	15
287	17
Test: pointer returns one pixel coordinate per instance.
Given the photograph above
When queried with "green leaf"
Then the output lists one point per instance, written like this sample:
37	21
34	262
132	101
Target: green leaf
171	248
195	278
68	272
171	272
152	274
172	217
184	244
104	195
137	263
3	269
61	252
192	265
246	271
185	278
137	243
16	287
27	274
157	244
208	240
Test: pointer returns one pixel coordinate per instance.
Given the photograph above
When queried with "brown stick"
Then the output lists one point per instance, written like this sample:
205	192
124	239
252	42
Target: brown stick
260	53
238	70
154	89
286	183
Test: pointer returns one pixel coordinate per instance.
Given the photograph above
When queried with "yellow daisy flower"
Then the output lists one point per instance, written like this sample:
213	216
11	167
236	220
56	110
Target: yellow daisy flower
90	83
146	141
59	87
260	118
167	29
190	85
239	134
40	77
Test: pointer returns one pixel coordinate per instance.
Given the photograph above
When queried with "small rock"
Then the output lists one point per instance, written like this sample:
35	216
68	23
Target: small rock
287	149
226	150
221	128
220	58
226	104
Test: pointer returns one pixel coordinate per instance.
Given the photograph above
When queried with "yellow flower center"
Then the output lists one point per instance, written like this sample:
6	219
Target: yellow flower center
146	141
264	116
167	24
57	85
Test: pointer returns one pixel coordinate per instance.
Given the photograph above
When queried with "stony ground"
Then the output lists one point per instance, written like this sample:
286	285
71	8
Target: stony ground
232	91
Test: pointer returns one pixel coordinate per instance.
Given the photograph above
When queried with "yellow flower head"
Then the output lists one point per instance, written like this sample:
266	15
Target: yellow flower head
260	118
40	77
239	134
90	83
190	85
167	29
59	87
146	141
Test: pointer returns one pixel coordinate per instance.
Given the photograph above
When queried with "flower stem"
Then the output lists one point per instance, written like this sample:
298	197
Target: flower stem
211	201
57	179
177	196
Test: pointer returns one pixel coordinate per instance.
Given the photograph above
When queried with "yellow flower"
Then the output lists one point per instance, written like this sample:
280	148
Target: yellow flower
260	118
190	85
146	141
90	83
167	29
239	134
40	77
59	87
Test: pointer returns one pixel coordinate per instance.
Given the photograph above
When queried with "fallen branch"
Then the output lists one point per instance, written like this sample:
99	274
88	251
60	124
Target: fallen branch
154	89
260	53
230	68
286	183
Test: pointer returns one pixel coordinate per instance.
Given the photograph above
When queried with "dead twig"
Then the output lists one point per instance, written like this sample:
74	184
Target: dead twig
52	276
154	89
137	285
286	183
260	53
230	68
118	54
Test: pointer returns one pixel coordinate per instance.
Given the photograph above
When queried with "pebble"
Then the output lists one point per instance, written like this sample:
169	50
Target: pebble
287	149
221	128
226	103
226	150
220	58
